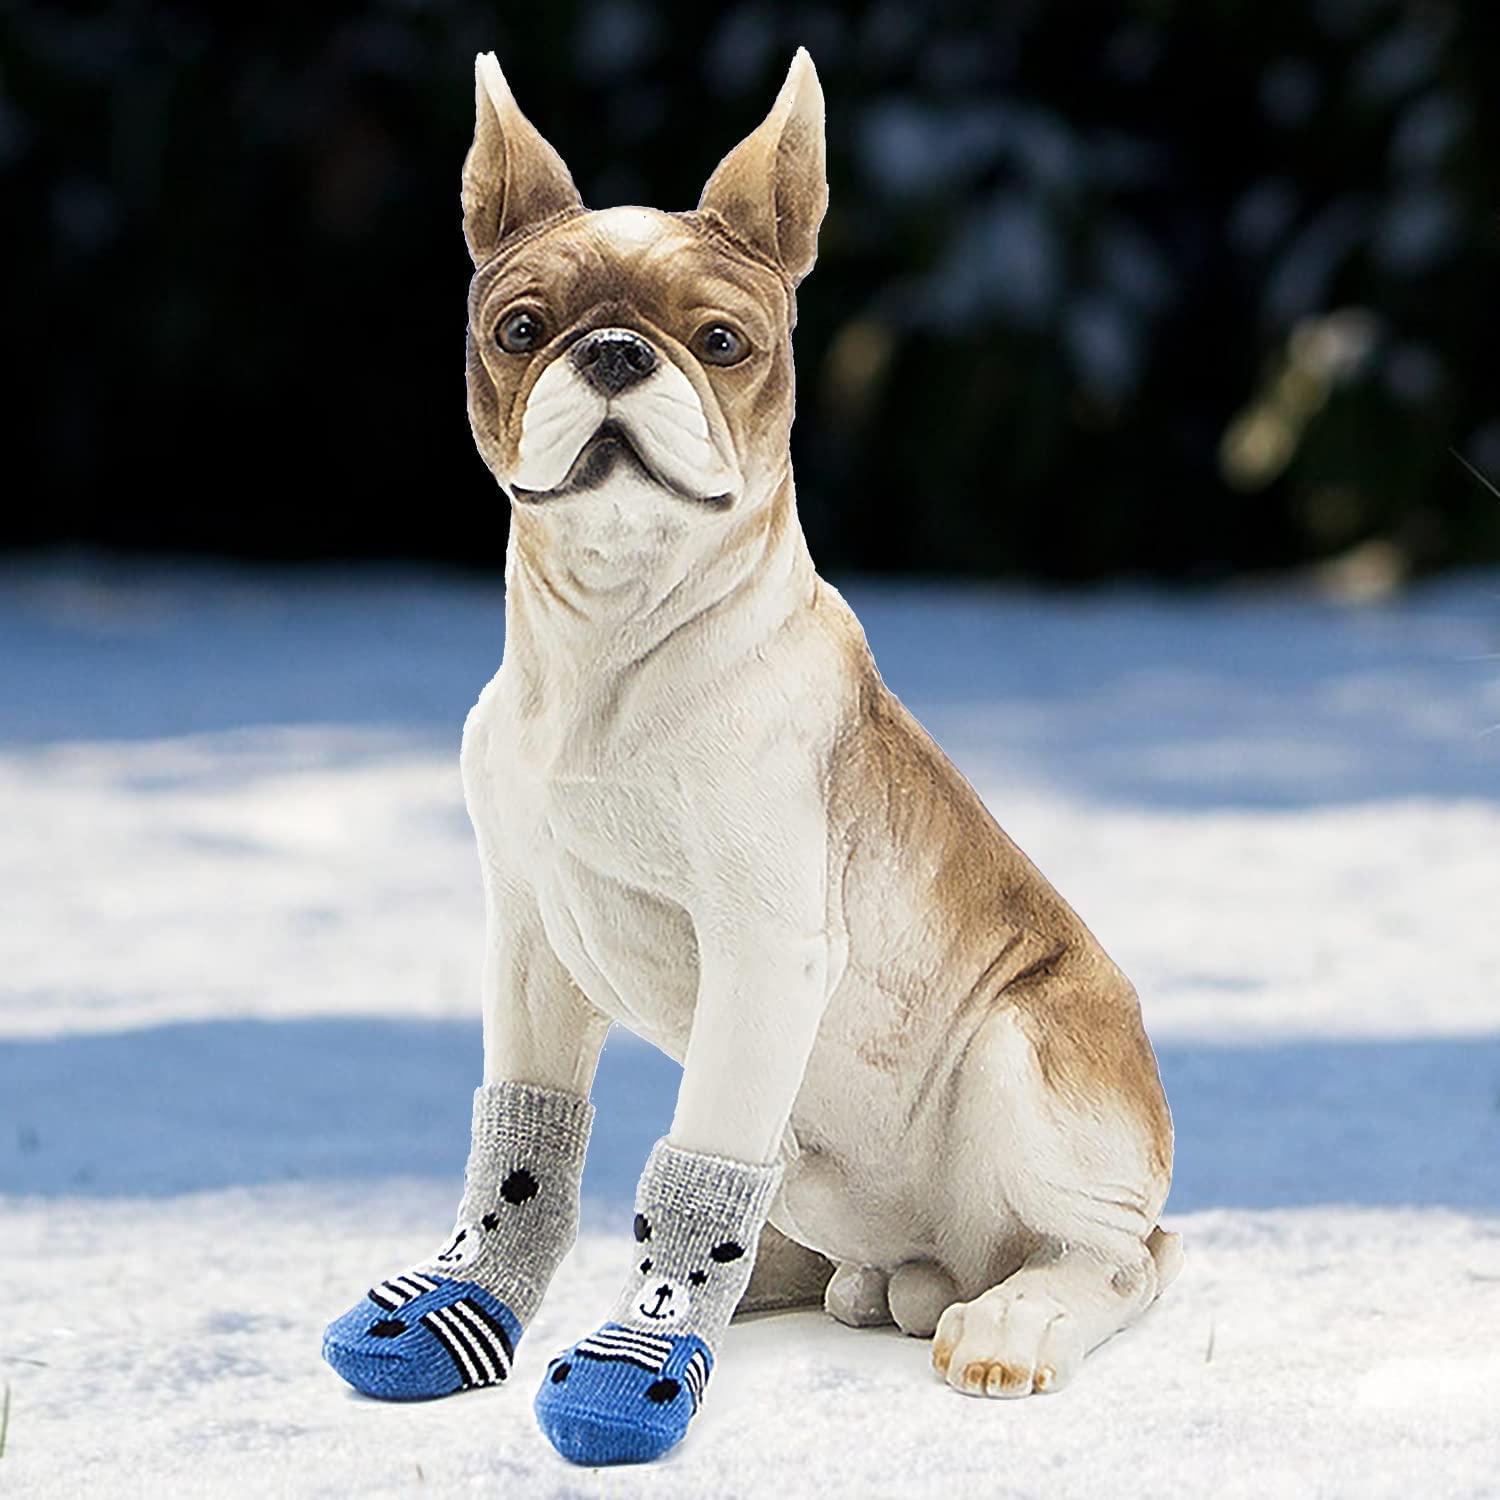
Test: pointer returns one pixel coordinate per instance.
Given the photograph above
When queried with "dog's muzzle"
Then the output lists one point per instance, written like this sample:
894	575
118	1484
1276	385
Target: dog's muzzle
610	398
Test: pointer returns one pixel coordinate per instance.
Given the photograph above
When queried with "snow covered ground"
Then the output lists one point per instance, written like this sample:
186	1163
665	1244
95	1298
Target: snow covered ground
238	959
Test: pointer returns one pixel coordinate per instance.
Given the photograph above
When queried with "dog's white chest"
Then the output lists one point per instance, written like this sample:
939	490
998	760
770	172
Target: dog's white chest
597	839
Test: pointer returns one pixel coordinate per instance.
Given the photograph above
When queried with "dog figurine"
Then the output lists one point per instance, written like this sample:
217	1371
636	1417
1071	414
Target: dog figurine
701	814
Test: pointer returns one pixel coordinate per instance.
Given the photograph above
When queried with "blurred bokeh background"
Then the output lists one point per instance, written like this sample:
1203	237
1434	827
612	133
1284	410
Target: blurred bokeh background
1173	288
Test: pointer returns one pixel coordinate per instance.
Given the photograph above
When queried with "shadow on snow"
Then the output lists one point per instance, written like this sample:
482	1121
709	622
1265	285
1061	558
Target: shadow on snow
197	1106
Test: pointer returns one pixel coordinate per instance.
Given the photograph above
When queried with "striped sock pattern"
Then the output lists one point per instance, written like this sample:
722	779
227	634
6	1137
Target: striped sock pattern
452	1323
478	1344
400	1290
627	1392
696	1375
613	1341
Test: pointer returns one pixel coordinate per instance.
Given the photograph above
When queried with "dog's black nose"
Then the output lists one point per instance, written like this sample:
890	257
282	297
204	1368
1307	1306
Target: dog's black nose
612	359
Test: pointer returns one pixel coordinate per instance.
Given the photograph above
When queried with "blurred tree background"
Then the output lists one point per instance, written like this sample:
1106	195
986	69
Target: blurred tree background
1175	287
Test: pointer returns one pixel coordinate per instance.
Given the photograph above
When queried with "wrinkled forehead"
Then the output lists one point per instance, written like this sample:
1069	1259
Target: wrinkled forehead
661	265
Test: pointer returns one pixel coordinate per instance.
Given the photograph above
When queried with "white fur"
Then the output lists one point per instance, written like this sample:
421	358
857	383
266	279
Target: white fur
665	417
562	412
492	81
629	228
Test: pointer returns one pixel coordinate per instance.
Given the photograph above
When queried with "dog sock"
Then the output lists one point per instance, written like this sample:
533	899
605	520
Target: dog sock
453	1321
627	1393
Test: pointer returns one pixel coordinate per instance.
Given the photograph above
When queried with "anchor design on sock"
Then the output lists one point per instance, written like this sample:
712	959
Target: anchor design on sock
665	1298
667	1301
454	1255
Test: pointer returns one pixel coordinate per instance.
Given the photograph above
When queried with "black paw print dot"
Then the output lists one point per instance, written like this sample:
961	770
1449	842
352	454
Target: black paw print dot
561	1372
697	1277
386	1328
662	1391
519	1186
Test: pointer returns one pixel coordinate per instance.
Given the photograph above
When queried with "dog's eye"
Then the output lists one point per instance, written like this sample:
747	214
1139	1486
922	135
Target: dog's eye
719	344
645	1265
520	333
697	1277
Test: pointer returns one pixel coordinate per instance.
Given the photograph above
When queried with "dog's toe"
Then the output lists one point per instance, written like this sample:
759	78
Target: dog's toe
1006	1345
856	1295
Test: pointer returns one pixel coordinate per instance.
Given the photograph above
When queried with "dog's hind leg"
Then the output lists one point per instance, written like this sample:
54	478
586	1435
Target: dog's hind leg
1083	1174
1032	1331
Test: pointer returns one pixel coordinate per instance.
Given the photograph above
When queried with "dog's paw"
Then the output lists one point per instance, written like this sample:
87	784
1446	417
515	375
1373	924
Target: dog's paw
1007	1343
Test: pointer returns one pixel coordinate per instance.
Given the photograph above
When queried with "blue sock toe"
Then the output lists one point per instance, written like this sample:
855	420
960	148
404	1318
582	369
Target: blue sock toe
415	1337
621	1396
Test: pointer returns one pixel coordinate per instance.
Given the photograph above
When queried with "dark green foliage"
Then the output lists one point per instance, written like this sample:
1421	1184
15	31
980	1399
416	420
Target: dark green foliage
1177	287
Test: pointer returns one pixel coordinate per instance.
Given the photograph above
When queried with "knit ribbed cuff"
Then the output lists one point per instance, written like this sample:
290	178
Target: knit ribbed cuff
524	1115
708	1187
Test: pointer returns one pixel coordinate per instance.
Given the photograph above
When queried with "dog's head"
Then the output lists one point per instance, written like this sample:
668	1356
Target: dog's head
631	344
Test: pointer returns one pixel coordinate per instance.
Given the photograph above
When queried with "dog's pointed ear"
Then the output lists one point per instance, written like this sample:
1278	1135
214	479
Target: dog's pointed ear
512	177
772	189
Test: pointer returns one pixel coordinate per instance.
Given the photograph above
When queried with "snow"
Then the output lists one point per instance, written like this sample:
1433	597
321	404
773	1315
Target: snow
237	1039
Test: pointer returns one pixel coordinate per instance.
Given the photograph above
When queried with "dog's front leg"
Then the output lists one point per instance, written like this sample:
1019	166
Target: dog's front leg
539	1029
630	1389
761	996
453	1321
759	847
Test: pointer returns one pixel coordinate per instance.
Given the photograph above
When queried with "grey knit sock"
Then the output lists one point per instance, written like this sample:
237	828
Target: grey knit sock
454	1321
519	1214
628	1391
697	1223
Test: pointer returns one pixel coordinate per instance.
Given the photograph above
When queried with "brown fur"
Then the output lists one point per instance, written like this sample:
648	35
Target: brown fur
989	918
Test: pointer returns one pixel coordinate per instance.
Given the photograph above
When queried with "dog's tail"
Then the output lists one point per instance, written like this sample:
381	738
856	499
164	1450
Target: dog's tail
1166	1251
